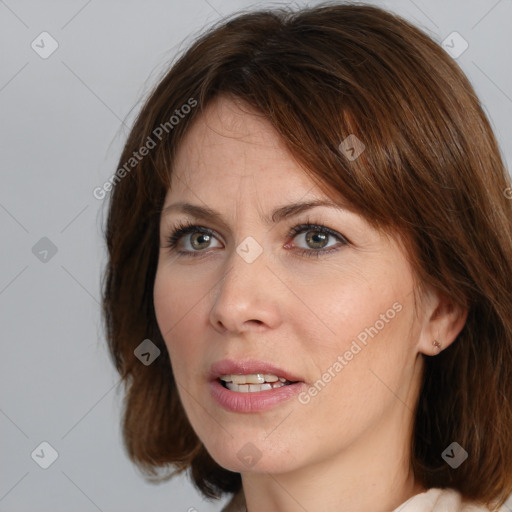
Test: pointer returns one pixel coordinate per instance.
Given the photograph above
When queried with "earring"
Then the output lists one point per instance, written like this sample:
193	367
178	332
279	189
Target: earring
436	344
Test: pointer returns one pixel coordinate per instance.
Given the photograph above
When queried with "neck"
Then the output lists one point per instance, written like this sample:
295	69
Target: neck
334	485
373	473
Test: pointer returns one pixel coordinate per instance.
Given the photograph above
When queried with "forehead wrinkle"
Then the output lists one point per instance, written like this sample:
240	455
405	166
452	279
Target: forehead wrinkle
244	196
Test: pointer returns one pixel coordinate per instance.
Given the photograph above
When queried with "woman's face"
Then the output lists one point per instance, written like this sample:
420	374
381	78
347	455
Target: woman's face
329	305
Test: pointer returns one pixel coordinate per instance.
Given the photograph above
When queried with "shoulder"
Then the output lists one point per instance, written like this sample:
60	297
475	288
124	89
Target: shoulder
433	500
440	500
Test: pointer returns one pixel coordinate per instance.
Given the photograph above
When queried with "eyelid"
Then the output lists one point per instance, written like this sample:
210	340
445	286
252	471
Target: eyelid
183	228
300	229
312	226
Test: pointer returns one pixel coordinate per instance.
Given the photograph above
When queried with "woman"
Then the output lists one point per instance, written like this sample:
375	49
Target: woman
310	264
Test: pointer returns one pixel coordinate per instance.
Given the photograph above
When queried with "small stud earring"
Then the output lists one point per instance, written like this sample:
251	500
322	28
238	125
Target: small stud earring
436	344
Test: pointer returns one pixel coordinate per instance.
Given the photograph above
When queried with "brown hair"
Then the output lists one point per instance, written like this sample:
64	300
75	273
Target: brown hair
431	170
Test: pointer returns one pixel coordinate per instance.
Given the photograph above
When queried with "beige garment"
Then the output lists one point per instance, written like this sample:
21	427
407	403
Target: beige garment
433	500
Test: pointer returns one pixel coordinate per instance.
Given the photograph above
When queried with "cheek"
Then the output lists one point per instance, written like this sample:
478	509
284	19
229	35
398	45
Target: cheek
343	304
365	319
167	308
175	294
177	307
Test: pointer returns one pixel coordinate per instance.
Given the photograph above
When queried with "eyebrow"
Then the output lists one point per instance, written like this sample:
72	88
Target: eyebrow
279	214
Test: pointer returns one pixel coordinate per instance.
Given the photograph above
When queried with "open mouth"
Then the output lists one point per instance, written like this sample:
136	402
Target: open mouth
252	383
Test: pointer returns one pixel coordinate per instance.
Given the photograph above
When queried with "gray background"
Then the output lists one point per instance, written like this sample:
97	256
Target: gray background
63	122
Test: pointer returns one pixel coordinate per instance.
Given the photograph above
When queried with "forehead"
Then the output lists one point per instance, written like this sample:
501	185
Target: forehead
232	146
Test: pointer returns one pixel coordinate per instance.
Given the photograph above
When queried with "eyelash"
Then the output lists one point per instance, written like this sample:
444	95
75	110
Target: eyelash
185	228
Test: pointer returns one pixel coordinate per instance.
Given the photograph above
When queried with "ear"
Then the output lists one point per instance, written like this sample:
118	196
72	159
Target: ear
443	319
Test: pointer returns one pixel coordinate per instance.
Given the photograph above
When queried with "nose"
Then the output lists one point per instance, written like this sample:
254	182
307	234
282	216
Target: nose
247	297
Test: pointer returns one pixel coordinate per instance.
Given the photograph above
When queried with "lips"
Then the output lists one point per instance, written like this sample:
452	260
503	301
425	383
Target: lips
249	366
247	398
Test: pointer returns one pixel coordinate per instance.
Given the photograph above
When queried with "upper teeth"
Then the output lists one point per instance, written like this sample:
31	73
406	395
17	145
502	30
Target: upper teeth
252	378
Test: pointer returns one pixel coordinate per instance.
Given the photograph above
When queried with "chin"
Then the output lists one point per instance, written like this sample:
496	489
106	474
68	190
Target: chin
259	466
245	456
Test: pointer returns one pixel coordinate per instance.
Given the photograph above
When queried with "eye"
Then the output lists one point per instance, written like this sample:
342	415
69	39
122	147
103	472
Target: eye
198	240
191	239
315	240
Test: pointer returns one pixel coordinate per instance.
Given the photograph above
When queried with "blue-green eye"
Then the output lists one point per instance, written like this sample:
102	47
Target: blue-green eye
200	238
317	239
189	239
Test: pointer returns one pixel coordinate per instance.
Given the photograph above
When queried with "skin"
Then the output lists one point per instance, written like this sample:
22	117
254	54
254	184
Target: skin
348	447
